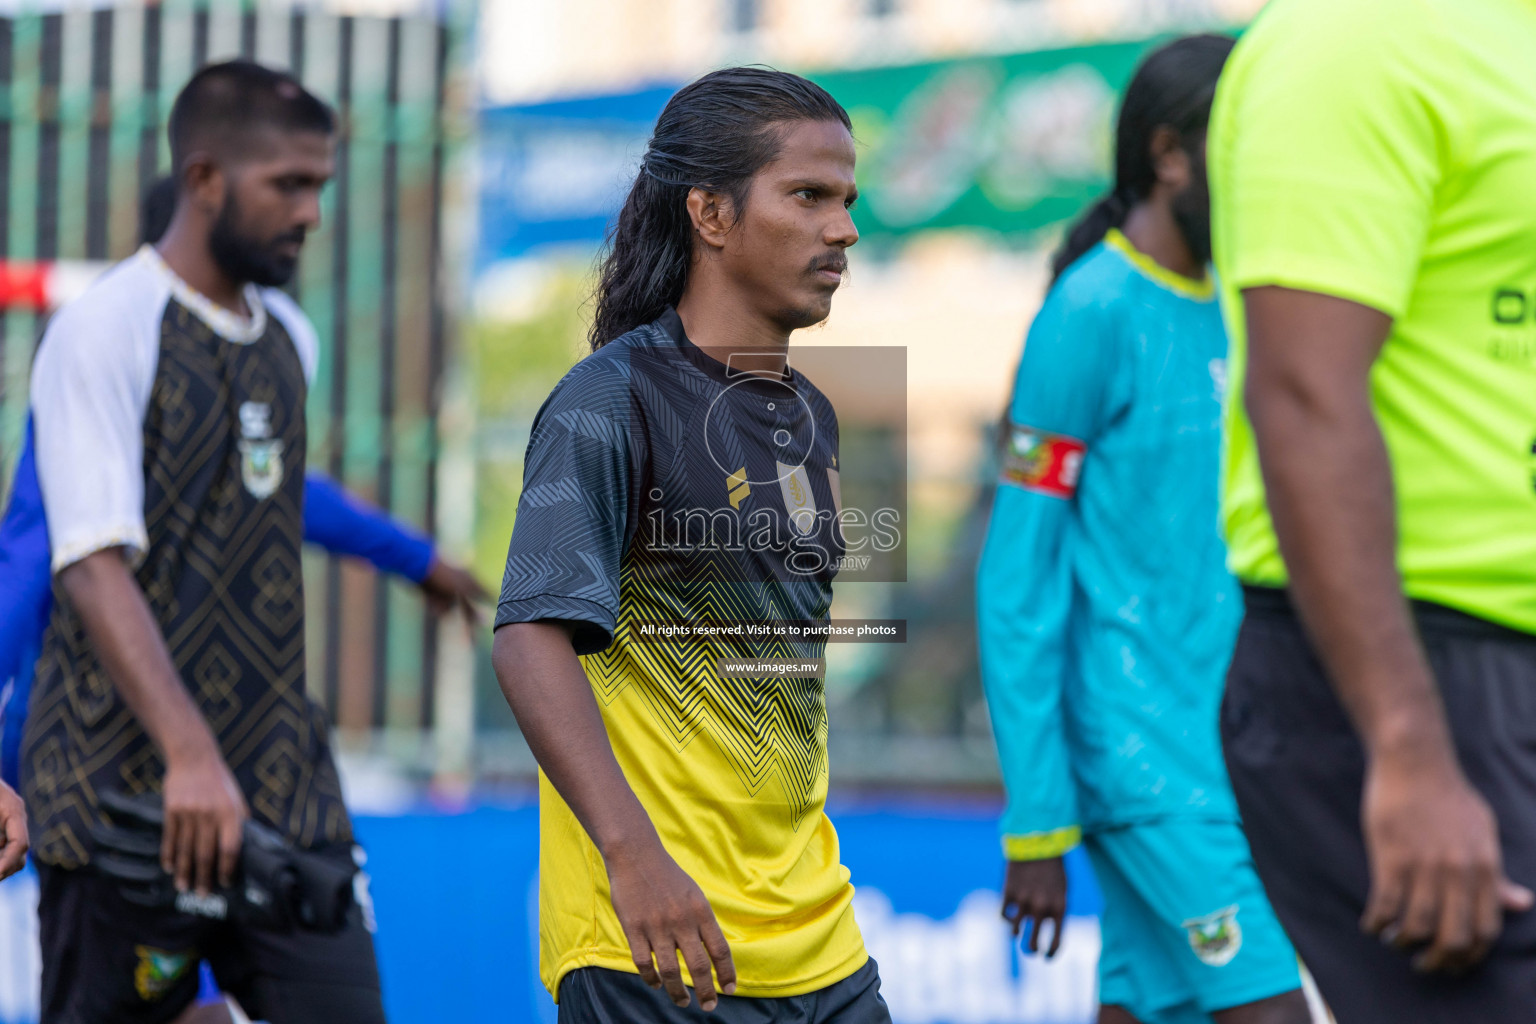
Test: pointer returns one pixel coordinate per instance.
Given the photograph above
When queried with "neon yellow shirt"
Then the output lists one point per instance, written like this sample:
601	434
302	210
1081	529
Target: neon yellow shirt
1384	151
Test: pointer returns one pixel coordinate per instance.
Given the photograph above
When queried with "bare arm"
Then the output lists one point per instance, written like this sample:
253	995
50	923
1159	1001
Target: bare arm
1436	871
658	905
1330	491
13	832
549	693
204	808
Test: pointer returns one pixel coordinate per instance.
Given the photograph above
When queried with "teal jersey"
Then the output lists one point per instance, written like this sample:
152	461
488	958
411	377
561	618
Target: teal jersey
1106	613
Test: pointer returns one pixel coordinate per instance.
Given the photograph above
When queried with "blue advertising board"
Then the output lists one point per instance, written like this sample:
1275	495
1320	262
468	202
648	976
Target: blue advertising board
456	895
1006	144
555	173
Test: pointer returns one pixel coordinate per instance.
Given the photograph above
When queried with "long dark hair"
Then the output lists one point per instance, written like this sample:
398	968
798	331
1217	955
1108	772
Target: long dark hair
715	133
1172	88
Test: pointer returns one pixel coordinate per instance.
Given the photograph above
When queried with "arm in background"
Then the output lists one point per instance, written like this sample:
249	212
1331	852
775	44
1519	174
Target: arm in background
26	601
1024	599
346	525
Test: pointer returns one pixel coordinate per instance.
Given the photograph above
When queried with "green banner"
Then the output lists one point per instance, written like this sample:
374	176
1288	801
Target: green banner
1009	144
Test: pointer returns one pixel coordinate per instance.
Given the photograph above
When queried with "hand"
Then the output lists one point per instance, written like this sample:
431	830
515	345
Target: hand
204	812
662	911
1036	890
13	832
1437	873
449	586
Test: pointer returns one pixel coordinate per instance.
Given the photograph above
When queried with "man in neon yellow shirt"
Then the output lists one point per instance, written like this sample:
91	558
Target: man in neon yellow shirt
1372	164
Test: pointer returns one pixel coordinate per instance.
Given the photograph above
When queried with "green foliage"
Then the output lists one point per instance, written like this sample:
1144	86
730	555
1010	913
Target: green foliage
513	365
515	362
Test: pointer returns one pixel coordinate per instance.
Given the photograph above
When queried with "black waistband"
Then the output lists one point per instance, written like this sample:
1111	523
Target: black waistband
1430	617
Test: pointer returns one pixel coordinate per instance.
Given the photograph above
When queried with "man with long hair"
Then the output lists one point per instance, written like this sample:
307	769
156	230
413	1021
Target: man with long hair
1106	613
1375	233
686	472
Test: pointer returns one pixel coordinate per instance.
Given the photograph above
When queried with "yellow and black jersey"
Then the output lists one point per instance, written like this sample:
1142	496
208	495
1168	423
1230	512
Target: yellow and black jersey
663	486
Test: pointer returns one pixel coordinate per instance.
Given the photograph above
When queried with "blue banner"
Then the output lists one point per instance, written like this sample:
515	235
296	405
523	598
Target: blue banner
456	900
555	173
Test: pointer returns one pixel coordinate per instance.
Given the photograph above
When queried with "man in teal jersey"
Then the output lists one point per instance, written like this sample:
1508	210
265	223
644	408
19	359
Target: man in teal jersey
1372	164
1106	611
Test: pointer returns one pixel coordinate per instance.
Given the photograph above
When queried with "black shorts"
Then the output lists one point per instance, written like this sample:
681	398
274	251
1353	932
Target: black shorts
596	995
1298	770
108	960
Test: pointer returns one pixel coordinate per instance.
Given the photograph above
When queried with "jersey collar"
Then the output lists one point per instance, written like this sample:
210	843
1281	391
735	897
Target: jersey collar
225	323
671	326
1202	290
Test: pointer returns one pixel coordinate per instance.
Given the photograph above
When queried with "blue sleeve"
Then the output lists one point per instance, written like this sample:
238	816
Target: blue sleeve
579	503
345	525
1024	582
26	601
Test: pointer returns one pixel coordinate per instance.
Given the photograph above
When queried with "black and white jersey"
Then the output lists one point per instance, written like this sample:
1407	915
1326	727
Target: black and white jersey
175	430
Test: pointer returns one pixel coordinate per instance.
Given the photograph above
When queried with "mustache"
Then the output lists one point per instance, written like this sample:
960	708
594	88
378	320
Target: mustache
835	261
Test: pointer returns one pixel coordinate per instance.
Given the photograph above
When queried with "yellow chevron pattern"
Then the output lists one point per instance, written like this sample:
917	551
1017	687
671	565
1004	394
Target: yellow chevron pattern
769	727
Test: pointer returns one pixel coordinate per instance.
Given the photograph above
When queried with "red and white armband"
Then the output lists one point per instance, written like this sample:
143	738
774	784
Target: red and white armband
1040	461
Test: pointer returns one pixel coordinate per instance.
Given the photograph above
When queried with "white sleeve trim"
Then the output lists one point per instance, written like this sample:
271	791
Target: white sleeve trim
305	340
91	385
131	537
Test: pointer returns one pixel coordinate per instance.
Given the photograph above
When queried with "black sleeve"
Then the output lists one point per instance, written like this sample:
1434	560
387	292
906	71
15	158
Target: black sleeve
580	500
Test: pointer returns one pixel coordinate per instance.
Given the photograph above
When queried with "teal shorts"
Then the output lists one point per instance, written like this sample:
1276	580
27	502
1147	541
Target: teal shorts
1187	929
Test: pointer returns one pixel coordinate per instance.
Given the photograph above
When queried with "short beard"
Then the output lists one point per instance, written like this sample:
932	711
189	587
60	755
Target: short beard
798	319
243	258
791	319
1194	222
1192	214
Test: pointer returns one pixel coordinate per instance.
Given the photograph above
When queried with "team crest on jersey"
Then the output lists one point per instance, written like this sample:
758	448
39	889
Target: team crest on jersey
1215	938
158	971
799	502
261	466
261	455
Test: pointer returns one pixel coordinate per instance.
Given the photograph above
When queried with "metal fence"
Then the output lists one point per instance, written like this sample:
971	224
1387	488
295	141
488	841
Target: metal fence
86	93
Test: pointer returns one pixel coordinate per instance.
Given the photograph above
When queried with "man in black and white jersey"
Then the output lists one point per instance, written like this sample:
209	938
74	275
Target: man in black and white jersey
168	404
